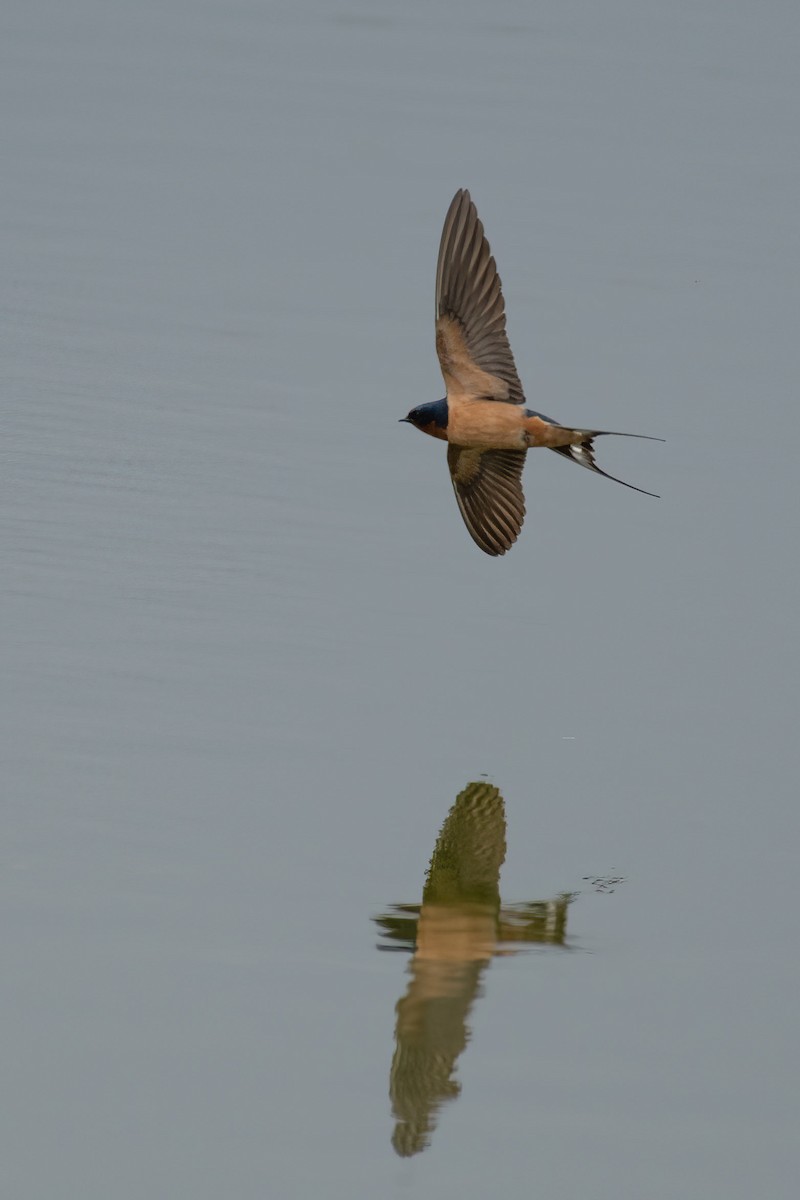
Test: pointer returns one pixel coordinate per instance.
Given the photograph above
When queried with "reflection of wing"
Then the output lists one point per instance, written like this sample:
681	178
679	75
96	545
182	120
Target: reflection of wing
470	850
488	487
431	1033
471	341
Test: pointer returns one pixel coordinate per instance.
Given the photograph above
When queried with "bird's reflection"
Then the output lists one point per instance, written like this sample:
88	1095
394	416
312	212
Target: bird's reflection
453	934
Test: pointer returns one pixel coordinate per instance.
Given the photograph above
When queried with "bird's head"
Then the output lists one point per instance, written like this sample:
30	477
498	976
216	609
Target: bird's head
417	416
430	418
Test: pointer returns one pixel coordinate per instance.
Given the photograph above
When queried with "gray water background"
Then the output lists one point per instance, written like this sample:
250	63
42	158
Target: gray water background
250	655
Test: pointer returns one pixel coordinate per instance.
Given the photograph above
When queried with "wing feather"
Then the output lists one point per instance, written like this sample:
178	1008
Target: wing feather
488	488
471	340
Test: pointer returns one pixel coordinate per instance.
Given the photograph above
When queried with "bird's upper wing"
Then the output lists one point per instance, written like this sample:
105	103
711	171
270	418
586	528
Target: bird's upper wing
488	487
471	341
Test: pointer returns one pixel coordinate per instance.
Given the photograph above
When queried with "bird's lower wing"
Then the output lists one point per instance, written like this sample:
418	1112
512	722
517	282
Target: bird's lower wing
488	487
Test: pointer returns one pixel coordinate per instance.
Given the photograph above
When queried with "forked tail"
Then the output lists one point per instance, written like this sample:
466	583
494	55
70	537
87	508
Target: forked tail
582	453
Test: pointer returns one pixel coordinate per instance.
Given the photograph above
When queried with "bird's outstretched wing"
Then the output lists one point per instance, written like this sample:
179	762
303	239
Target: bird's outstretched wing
471	341
488	487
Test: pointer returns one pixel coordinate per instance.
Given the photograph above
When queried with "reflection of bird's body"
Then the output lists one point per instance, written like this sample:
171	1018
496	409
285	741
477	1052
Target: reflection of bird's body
456	937
483	417
454	934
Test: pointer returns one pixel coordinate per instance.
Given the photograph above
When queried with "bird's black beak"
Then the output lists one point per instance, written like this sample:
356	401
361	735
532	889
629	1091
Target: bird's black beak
402	419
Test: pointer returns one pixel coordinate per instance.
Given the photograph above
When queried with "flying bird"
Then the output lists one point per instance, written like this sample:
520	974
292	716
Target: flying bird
483	417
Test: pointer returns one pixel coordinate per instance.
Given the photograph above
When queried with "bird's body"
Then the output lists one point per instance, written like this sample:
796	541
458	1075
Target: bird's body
485	425
483	417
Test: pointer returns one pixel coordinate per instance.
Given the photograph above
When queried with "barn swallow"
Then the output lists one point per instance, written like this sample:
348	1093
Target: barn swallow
483	417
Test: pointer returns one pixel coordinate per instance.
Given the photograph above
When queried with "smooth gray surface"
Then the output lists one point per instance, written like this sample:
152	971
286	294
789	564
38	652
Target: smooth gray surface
251	655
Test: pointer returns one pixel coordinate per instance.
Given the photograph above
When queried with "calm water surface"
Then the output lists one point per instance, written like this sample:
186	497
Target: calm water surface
253	664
